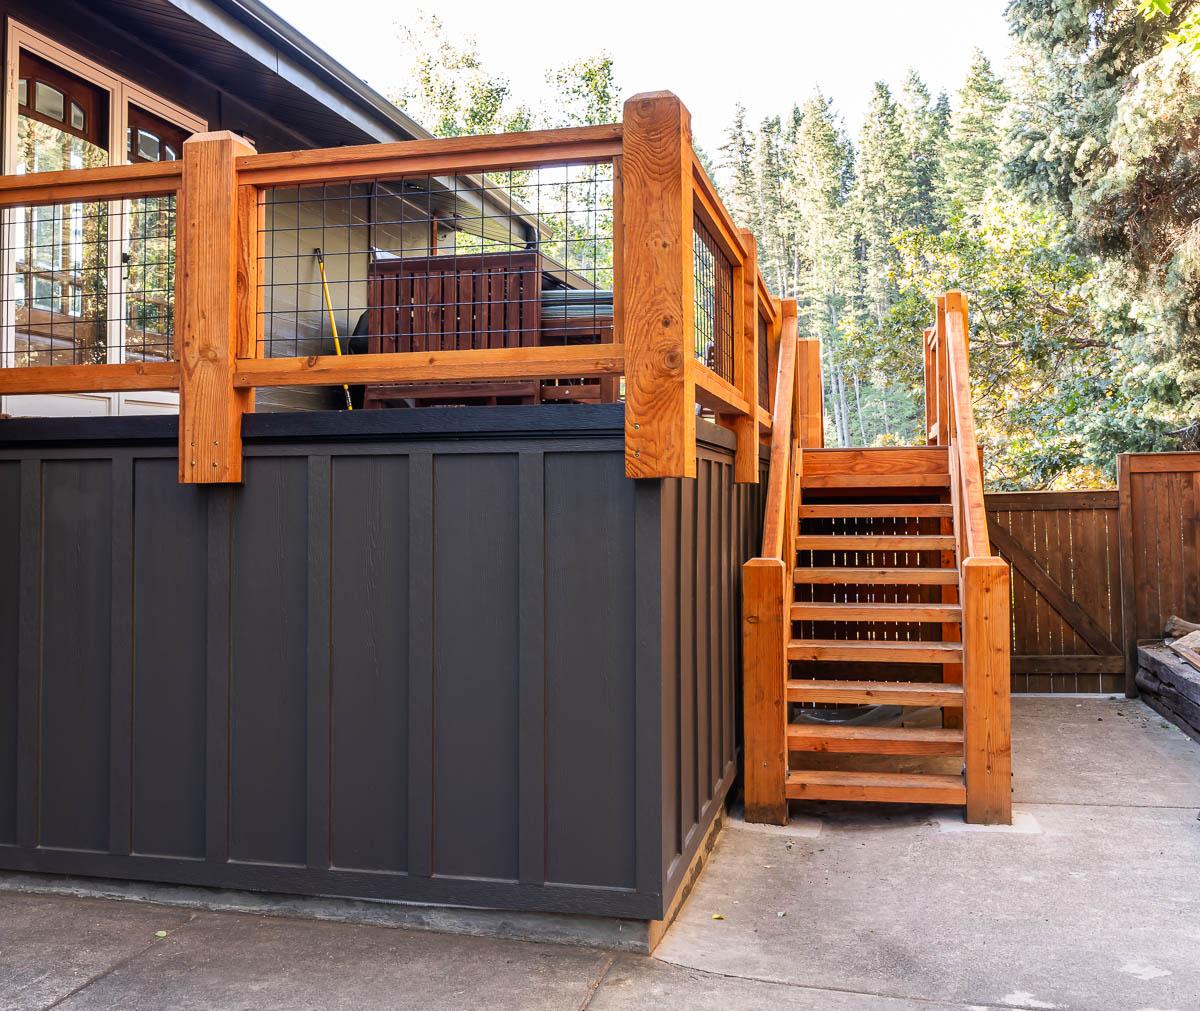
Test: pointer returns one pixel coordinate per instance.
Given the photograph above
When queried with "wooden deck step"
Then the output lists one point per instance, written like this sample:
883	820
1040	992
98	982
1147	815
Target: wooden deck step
835	611
875	693
850	510
875	650
874	740
849	575
887	787
874	542
875	480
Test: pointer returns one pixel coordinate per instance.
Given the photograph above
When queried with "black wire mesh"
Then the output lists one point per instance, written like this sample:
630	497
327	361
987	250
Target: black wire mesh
714	302
88	283
507	259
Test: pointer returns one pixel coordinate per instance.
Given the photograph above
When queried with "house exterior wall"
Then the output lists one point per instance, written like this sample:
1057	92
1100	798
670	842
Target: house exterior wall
450	655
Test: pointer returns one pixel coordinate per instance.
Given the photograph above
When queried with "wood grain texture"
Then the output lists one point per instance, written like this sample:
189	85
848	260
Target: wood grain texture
746	466
775	514
572	145
658	301
867	576
432	366
986	685
877	461
209	303
128	376
884	693
811	431
832	610
879	787
873	650
112	182
874	740
764	667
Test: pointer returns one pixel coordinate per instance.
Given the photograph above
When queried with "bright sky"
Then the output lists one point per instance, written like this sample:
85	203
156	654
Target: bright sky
767	55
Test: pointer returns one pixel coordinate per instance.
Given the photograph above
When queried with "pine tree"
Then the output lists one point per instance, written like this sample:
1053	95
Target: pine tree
924	125
971	156
737	166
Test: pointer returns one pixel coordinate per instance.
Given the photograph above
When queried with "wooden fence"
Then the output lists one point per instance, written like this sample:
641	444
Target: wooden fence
1097	572
1160	545
1063	550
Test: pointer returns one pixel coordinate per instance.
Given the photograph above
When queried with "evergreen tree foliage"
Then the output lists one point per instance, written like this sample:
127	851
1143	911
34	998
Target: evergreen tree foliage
971	160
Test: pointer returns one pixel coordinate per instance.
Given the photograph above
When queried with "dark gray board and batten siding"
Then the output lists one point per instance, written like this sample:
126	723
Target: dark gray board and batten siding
446	656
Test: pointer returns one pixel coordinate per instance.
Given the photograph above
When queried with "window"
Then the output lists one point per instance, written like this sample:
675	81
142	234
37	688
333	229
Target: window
87	282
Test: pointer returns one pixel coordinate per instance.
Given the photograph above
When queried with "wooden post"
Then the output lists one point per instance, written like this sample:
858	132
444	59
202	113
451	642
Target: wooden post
658	303
987	687
764	664
745	426
942	371
214	302
811	408
1128	591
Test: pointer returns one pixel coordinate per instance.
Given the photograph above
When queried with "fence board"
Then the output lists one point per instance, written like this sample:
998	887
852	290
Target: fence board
1160	546
1062	549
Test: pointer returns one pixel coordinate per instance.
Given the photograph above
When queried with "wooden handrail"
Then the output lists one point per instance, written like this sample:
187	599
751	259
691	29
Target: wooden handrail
110	182
964	443
779	484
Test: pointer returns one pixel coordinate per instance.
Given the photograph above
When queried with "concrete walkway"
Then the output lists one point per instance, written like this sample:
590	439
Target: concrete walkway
1091	902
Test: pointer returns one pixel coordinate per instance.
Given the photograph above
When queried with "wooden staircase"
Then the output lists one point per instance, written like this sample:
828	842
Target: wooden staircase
891	640
877	588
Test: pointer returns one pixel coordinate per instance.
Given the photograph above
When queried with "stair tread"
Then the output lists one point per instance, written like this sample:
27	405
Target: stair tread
901	651
875	509
826	610
902	542
841	777
880	480
897	693
839	739
866	574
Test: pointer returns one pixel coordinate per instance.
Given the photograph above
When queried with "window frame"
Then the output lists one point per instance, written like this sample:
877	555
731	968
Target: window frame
122	93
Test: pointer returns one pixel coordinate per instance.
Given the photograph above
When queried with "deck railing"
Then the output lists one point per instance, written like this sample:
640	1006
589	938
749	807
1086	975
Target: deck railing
689	308
983	577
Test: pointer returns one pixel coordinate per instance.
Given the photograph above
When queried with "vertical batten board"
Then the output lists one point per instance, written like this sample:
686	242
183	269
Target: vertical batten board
420	619
658	300
317	704
29	633
532	787
121	670
218	647
213	299
986	675
11	595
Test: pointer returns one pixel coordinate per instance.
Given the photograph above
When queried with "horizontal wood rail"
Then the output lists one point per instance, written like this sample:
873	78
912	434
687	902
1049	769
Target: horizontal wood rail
116	182
417	367
662	200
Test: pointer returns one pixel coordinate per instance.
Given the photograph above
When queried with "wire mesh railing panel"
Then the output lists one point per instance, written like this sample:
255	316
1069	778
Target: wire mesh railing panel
713	302
508	259
87	283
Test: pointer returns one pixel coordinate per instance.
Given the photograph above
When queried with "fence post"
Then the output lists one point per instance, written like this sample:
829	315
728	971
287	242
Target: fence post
210	309
745	426
658	301
764	664
986	688
1128	585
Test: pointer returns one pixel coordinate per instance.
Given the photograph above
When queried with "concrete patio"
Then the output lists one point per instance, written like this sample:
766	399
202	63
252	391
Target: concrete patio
1092	900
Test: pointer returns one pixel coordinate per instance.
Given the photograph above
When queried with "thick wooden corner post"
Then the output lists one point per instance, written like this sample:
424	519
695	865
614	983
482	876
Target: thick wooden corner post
987	688
658	299
212	237
764	666
811	432
745	426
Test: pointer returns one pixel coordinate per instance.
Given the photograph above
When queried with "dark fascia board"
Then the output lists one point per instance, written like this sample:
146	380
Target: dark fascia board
585	420
267	38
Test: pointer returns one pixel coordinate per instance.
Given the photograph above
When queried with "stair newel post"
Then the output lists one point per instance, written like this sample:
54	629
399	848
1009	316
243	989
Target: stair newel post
658	278
764	662
213	303
986	686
